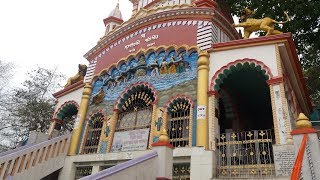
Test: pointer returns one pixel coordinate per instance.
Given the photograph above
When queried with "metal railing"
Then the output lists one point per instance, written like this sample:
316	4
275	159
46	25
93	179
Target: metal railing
20	160
181	171
246	154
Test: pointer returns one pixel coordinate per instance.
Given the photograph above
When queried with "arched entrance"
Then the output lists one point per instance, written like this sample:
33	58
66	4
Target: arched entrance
245	119
244	101
65	117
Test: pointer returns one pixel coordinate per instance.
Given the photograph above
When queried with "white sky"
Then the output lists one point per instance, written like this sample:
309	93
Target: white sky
52	33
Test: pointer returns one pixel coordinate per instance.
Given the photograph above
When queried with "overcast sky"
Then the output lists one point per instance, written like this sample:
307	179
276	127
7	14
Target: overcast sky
52	33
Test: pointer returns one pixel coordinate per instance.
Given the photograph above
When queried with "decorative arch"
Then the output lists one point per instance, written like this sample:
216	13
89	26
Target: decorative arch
226	70
65	108
93	132
148	53
159	50
179	120
97	113
178	97
192	50
120	102
189	50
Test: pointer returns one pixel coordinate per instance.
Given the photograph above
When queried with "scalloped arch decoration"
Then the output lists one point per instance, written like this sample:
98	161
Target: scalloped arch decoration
179	96
157	50
97	113
128	89
226	70
66	105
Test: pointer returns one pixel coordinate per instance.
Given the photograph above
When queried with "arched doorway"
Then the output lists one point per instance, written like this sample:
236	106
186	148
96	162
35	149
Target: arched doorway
66	116
245	119
245	102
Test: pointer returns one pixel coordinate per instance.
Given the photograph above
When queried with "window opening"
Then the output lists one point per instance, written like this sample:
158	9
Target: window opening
93	134
178	123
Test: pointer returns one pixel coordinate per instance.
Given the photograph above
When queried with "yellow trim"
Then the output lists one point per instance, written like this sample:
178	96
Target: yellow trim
278	60
75	138
157	49
283	96
152	126
202	98
212	99
84	137
274	115
165	120
113	123
190	126
286	114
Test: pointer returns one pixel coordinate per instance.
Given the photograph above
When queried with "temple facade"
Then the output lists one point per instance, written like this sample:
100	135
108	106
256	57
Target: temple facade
227	104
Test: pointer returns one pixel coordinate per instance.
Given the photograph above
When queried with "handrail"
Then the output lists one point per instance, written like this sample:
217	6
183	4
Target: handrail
120	167
295	175
30	146
20	160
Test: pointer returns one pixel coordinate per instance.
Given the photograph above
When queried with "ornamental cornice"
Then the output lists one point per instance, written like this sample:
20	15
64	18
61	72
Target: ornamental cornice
122	33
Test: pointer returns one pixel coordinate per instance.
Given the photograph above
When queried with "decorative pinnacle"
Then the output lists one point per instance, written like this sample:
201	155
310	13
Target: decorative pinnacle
303	122
164	136
117	6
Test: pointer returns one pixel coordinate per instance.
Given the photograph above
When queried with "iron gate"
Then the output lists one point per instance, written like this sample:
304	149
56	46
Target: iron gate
245	154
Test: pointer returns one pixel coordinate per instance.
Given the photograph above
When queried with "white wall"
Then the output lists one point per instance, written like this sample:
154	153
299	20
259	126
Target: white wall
72	96
265	54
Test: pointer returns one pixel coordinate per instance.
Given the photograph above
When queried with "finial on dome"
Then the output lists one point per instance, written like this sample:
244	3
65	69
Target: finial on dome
117	6
116	12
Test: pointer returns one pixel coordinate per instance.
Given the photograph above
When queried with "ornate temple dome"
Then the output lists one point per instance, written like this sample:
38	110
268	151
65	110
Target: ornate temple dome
116	12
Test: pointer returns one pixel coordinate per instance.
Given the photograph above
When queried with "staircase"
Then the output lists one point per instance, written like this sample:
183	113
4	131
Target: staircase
34	161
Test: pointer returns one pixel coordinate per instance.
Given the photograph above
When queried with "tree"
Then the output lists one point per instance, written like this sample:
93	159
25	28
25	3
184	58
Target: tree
32	105
304	26
5	77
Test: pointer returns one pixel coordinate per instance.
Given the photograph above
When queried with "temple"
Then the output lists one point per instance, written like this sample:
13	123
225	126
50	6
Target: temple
176	93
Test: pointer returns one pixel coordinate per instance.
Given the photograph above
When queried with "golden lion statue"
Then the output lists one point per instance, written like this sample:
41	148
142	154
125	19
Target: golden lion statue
265	24
79	76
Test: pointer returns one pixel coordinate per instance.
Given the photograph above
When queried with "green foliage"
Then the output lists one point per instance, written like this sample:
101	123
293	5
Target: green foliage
313	83
32	105
304	26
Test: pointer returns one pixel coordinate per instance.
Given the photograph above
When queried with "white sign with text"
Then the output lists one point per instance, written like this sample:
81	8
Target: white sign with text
201	112
130	140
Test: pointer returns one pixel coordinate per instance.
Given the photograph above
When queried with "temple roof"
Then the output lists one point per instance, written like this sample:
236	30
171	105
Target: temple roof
116	12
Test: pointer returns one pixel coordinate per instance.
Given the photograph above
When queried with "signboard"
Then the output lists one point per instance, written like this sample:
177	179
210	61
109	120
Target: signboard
284	157
201	112
130	140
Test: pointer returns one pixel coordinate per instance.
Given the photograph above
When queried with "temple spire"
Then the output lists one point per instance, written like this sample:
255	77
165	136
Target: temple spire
114	19
117	6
